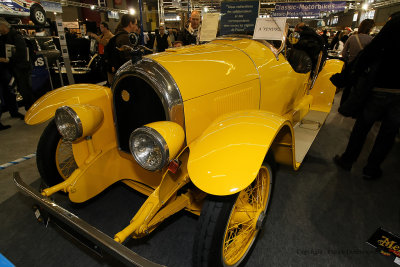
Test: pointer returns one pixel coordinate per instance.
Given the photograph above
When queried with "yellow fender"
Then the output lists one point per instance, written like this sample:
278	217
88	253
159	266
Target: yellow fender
226	158
324	91
46	106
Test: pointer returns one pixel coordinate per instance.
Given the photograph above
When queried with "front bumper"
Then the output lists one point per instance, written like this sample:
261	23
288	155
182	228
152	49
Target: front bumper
84	230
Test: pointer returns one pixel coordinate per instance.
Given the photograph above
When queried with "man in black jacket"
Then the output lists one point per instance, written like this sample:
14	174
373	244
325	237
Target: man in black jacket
190	34
311	43
18	63
379	60
162	41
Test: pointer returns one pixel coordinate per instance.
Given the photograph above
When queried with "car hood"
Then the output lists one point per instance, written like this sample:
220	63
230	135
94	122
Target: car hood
203	69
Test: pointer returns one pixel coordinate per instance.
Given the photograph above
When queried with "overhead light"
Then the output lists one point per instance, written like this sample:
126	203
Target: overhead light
132	11
92	7
365	6
55	13
205	9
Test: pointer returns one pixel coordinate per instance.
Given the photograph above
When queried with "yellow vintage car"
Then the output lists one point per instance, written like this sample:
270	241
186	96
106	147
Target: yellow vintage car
199	128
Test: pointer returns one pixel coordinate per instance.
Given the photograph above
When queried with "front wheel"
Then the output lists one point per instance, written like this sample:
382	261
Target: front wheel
228	226
54	157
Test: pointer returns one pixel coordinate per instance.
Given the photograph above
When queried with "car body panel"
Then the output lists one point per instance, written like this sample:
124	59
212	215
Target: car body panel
323	90
202	111
226	158
207	68
278	80
110	166
45	107
16	7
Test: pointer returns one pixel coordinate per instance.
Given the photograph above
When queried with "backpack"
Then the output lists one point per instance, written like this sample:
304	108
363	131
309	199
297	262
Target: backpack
112	56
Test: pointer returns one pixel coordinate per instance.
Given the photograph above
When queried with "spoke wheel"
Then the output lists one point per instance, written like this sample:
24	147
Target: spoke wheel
54	157
65	160
229	226
244	222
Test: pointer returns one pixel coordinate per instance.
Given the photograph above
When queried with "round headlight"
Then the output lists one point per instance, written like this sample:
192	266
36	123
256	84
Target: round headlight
68	123
149	148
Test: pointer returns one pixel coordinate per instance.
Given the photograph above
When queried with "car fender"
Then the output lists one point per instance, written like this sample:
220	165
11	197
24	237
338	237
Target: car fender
226	158
46	106
323	90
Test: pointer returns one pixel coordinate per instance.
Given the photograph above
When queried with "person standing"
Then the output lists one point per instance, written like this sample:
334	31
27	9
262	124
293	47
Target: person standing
312	43
104	38
190	34
325	36
162	40
118	49
358	41
378	62
18	63
353	46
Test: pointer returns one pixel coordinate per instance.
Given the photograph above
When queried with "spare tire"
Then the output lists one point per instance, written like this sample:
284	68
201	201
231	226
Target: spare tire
38	15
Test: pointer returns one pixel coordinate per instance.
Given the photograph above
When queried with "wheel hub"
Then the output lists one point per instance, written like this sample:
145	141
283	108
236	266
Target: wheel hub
260	221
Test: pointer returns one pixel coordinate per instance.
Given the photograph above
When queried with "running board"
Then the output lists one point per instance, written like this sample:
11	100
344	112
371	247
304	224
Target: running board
305	132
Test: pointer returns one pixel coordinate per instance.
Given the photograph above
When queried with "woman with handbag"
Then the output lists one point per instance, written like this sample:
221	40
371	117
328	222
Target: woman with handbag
353	46
378	67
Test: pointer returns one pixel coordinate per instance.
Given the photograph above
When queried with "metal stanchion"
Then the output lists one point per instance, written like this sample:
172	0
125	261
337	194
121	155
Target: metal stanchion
48	70
59	72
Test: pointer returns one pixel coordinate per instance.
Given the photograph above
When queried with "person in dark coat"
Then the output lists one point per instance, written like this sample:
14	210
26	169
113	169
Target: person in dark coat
162	41
335	40
325	36
190	34
311	43
18	63
382	102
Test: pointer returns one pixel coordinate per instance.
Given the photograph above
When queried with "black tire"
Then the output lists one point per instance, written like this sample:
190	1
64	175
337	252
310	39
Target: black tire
38	15
211	228
46	156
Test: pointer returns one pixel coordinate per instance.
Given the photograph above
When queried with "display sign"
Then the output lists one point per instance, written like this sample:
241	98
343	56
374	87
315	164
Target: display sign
269	28
51	6
302	9
209	27
238	17
386	242
71	25
113	14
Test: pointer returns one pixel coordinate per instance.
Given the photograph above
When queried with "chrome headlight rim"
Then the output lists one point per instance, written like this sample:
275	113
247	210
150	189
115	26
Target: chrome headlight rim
160	142
75	118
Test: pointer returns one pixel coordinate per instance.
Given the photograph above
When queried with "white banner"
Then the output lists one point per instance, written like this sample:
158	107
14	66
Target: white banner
209	27
269	28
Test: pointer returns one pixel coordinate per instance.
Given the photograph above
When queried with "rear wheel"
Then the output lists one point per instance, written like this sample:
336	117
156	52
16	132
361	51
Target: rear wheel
38	15
55	159
228	226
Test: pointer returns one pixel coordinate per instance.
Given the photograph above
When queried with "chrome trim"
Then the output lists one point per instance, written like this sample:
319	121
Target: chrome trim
158	139
313	79
161	80
106	243
76	119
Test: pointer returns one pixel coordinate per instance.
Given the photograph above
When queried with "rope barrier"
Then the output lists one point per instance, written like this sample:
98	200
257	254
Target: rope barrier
17	161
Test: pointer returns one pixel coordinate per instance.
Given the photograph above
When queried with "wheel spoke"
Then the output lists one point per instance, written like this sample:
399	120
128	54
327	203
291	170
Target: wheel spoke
235	243
65	159
241	228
